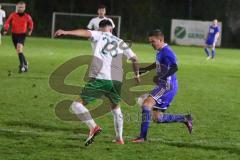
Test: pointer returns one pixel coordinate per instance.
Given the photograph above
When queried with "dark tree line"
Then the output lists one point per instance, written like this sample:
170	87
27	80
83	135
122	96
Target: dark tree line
140	16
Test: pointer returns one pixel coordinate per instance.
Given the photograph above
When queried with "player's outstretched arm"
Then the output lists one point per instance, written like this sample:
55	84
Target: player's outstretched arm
78	32
172	70
146	69
135	65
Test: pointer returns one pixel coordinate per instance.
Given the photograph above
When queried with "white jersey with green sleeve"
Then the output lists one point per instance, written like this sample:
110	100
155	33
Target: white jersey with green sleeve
2	15
94	23
109	52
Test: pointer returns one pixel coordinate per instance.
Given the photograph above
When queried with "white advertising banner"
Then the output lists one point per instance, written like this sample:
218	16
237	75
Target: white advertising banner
190	32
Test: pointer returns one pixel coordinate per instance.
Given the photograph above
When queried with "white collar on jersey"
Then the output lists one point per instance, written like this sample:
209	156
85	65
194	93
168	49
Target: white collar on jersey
165	44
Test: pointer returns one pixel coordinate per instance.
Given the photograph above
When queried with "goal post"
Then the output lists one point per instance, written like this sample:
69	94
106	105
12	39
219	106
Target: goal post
78	20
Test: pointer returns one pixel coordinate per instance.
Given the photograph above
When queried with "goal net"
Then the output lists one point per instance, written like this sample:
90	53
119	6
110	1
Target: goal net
61	20
8	8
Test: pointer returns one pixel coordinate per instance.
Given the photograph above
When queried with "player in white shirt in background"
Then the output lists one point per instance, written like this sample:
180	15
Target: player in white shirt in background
106	74
2	16
94	22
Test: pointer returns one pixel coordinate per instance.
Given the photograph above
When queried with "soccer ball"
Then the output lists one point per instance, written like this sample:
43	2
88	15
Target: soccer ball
23	69
141	99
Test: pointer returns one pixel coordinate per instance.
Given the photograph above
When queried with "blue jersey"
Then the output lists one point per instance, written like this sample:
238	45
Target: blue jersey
164	59
213	30
163	94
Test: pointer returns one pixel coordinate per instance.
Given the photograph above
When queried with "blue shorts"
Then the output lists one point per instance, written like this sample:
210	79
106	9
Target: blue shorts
164	94
210	42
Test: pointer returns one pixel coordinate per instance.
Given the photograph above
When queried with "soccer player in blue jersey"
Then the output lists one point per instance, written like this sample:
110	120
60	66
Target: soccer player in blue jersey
162	95
212	37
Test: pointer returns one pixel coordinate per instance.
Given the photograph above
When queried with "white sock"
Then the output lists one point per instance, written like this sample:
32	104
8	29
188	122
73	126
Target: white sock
83	114
118	122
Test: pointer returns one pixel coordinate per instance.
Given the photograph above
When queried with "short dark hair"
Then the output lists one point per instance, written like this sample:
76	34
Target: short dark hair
104	23
101	6
156	32
21	2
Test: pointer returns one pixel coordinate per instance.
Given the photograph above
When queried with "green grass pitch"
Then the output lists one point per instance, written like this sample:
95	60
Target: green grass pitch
29	128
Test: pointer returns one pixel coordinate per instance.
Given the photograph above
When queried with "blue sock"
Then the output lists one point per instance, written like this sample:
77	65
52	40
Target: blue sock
213	53
146	118
207	51
168	118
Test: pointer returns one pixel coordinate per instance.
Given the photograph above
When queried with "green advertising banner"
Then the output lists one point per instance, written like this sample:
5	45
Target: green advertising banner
190	32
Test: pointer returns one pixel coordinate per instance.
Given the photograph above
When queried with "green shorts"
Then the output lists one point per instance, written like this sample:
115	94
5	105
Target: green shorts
96	88
1	26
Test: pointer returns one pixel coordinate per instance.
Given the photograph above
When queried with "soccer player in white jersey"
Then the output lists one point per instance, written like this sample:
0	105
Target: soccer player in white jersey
2	16
106	75
94	22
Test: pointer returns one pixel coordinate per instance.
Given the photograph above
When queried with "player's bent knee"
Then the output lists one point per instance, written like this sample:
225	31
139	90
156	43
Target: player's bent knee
19	48
114	106
155	116
149	102
80	100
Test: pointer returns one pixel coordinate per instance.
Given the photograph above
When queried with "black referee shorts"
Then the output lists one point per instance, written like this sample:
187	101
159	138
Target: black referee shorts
18	38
